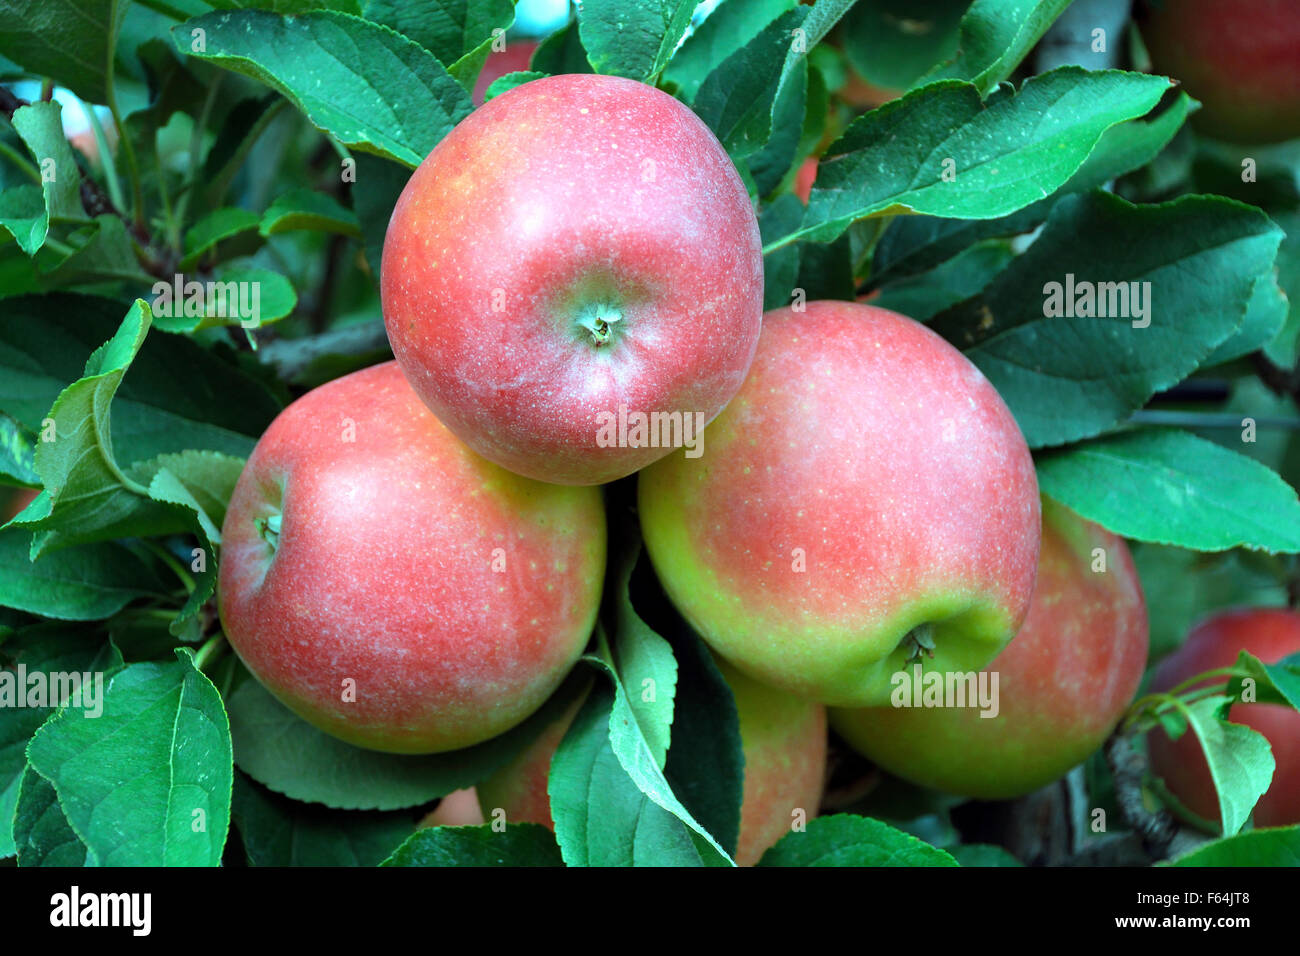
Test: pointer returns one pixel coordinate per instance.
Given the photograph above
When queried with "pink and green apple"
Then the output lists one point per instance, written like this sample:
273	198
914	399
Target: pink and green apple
578	248
393	588
866	497
1061	685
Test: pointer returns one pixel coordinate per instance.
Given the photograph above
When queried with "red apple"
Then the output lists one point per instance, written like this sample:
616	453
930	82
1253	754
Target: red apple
457	809
804	179
1241	60
391	587
1062	683
577	253
1270	634
784	742
514	58
865	494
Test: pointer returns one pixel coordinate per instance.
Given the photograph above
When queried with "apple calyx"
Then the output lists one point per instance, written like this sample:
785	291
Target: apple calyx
919	642
269	529
598	320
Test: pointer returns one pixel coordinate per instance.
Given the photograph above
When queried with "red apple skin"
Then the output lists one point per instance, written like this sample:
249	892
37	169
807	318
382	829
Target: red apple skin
1270	634
563	198
1063	682
869	452
384	572
515	58
783	739
457	809
1241	60
804	179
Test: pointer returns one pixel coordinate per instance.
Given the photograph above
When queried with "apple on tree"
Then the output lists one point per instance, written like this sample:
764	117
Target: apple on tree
515	57
784	743
1062	684
866	497
1241	60
393	588
1270	634
580	247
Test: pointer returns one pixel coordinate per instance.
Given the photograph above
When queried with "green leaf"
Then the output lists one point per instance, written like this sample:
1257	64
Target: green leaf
914	244
288	7
736	100
995	35
1240	759
216	227
236	296
84	583
848	840
770	164
921	297
202	481
982	854
308	209
509	81
90	498
457	32
44	341
781	267
49	649
633	39
602	817
148	782
940	151
731	25
42	834
1266	313
70	41
706	764
41	127
17	452
379	183
561	52
1170	487
367	86
646	665
1191	263
519	844
283	752
101	252
893	43
1275	846
277	831
22	212
1277	683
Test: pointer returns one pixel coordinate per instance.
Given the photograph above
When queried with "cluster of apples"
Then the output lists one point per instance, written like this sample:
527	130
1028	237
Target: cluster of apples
415	553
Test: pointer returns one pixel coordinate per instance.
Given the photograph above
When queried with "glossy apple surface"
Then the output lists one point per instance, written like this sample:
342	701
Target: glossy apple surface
581	246
414	598
866	482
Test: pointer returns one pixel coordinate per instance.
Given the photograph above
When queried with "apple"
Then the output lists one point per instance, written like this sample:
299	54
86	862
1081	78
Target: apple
457	809
391	587
784	743
1242	61
575	257
1270	634
1062	684
804	179
866	494
513	58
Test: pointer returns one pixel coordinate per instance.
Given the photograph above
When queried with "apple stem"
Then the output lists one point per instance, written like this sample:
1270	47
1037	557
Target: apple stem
919	642
597	321
269	529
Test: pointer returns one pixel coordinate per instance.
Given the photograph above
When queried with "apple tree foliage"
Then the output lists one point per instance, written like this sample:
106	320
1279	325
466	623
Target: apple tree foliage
267	140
